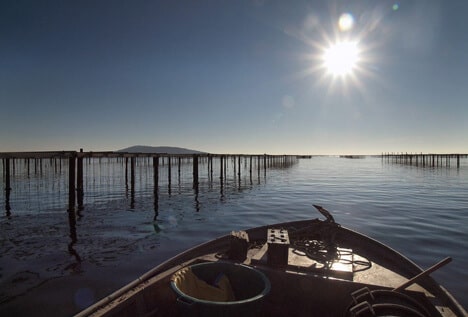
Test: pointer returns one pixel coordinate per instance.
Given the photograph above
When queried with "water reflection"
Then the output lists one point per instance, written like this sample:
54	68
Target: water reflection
7	202
115	207
76	266
95	183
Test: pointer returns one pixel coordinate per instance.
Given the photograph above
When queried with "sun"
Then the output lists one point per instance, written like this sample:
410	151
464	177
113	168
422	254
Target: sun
341	58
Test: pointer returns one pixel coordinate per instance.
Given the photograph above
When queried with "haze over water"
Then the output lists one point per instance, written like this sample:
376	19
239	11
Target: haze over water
54	264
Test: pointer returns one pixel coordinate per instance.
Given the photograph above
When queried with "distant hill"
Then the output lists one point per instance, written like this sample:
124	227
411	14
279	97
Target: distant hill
159	149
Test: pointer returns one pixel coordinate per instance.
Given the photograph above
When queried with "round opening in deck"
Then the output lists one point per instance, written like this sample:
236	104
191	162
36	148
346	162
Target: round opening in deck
241	289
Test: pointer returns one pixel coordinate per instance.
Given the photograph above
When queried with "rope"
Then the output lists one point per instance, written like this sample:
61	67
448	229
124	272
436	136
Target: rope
328	253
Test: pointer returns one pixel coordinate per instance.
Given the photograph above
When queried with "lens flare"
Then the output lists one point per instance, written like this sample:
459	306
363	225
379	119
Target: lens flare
345	22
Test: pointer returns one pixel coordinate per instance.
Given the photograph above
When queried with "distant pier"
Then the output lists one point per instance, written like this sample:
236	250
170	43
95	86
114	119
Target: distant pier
34	161
424	160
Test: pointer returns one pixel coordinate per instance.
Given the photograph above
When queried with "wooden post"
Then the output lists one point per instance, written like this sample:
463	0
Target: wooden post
126	172
195	171
79	186
211	167
13	163
156	184
71	182
178	166
7	174
132	182
156	173
225	166
221	180
233	160
132	171
6	171
250	170
27	166
169	170
239	170
458	160
258	167
221	167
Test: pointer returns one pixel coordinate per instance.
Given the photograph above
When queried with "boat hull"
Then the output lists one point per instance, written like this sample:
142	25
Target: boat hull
304	286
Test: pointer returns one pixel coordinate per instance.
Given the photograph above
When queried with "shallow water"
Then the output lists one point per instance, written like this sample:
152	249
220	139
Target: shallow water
56	263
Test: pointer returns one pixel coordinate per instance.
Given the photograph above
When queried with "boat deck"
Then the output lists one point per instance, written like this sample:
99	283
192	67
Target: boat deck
302	283
296	290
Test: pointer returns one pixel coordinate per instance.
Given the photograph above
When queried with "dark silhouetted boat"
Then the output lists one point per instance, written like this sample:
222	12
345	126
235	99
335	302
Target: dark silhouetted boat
301	268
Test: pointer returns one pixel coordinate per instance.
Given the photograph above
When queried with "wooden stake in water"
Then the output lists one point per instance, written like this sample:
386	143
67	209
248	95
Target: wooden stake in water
71	183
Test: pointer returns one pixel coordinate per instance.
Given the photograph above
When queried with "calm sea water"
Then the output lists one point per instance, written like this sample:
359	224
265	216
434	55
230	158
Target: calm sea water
56	263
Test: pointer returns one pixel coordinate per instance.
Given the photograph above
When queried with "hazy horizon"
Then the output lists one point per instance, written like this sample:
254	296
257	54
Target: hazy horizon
258	76
158	149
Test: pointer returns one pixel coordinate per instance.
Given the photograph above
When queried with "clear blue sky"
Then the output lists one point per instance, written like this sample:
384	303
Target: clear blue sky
233	76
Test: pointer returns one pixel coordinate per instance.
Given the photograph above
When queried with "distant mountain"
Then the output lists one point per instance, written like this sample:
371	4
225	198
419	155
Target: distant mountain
159	149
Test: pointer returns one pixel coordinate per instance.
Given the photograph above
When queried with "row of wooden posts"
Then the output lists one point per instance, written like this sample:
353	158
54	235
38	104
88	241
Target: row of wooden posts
424	160
76	174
